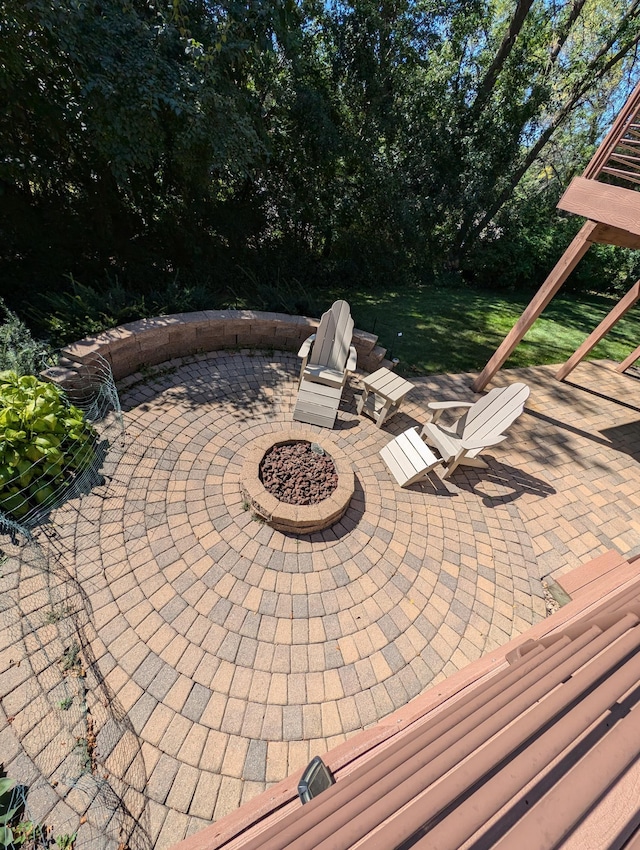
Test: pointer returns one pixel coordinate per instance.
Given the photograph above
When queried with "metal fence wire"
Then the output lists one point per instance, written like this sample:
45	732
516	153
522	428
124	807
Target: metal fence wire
77	757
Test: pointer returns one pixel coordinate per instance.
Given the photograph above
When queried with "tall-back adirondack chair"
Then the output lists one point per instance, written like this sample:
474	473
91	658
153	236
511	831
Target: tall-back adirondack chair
481	426
327	355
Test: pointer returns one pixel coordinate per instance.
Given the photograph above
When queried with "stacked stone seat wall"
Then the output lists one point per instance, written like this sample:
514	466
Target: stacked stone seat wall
147	342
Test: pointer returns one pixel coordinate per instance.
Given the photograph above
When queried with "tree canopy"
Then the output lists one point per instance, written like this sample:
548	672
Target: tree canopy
274	141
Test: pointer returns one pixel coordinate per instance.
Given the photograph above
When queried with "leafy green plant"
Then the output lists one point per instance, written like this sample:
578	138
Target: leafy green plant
15	832
27	833
11	803
82	308
44	443
65	704
66	842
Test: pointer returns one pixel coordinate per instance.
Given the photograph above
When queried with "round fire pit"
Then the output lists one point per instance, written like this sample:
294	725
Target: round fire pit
283	469
299	473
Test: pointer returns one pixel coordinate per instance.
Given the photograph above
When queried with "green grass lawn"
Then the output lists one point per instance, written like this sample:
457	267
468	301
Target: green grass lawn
447	330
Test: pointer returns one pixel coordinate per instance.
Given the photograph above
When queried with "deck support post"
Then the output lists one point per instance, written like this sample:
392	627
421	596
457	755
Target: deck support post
629	361
563	268
625	304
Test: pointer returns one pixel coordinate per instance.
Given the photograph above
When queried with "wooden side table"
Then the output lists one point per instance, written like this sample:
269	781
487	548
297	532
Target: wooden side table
384	392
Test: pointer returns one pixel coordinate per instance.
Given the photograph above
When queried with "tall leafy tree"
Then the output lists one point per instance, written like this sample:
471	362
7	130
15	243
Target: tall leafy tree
116	119
569	52
354	136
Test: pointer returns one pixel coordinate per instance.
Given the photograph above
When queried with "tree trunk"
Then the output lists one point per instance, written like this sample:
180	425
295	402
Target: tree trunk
491	75
565	29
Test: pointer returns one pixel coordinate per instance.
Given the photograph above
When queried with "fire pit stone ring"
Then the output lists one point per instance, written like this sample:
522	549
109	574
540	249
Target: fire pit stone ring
296	519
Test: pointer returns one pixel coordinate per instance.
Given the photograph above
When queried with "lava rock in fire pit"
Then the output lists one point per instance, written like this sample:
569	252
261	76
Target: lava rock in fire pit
296	474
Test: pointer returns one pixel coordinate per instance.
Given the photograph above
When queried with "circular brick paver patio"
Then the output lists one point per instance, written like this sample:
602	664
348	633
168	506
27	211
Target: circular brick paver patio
221	655
239	652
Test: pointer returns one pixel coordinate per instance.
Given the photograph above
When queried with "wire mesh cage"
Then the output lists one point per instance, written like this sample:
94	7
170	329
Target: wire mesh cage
54	435
81	773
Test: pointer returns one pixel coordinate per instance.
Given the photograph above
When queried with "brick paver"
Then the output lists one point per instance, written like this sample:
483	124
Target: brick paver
227	647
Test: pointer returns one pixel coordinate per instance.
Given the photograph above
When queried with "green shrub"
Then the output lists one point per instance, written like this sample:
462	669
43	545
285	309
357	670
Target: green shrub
19	351
44	443
84	309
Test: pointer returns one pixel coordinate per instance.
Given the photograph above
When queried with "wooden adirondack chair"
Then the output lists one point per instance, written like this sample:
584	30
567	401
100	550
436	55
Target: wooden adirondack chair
480	427
327	355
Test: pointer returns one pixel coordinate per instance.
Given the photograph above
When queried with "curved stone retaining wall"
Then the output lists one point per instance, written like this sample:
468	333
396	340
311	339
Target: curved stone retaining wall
148	342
